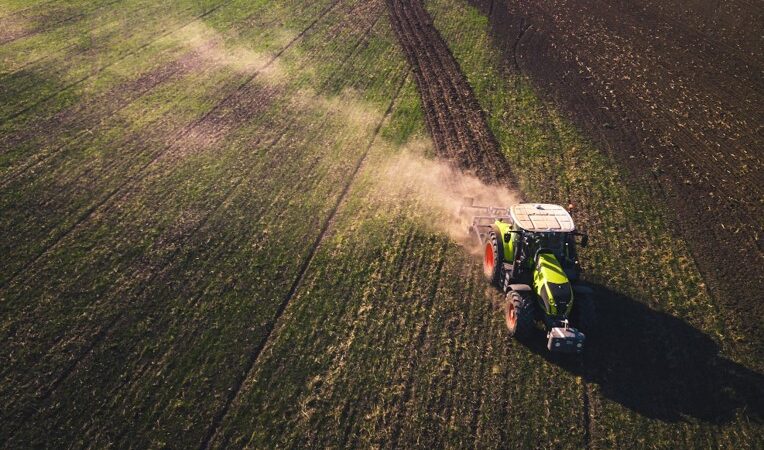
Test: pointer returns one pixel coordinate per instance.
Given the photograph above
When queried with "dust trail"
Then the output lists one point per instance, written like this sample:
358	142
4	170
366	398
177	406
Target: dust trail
213	48
438	190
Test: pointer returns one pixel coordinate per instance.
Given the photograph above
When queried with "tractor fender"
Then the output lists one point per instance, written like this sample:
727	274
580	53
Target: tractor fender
501	229
502	246
520	287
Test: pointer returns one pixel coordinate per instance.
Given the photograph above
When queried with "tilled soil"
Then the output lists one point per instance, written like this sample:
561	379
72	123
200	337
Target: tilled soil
673	90
454	118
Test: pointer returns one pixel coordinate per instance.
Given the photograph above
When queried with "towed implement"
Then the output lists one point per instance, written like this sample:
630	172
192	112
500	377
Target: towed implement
529	252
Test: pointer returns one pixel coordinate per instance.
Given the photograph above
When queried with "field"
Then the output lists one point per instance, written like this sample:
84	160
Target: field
228	223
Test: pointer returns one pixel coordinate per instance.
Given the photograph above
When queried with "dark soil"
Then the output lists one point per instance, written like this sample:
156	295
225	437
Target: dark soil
673	90
453	116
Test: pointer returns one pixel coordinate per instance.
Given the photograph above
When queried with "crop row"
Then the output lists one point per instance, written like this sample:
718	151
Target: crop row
178	277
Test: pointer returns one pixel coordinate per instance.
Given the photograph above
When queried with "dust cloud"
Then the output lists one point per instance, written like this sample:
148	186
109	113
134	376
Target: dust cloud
439	189
212	48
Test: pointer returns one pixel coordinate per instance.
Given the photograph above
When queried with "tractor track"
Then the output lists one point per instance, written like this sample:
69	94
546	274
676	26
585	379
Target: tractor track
419	341
325	229
455	120
453	116
100	69
348	415
123	188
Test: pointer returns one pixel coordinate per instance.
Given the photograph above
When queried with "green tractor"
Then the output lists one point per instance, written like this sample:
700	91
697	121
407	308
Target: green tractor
529	252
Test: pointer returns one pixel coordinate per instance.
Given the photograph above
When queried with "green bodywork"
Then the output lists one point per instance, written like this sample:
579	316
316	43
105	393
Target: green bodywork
550	283
509	246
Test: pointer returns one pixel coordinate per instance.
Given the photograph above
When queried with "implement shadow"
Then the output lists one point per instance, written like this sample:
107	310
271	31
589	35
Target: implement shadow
659	365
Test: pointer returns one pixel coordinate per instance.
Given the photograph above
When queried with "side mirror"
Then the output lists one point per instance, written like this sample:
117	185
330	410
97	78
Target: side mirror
584	240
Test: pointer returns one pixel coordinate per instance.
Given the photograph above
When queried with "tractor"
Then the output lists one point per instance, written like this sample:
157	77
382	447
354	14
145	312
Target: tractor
529	253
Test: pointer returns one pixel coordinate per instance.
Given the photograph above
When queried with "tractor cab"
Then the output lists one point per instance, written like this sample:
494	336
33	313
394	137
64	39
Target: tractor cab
543	229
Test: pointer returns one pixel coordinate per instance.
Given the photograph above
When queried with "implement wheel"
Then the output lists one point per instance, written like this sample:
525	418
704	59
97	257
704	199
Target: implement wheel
492	259
518	314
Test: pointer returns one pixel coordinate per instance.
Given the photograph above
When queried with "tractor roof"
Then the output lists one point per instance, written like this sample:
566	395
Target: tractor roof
542	217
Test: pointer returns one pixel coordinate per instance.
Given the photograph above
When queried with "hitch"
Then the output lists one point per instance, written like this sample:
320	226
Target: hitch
565	339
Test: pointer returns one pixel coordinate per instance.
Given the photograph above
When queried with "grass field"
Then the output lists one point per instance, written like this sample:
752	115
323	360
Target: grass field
215	233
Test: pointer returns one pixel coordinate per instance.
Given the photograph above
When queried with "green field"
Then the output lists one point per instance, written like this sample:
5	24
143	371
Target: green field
213	233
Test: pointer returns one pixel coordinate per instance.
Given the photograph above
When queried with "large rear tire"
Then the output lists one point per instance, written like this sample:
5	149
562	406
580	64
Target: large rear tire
492	259
518	314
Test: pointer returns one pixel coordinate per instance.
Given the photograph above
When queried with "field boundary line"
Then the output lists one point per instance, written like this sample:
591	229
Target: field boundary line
257	351
137	176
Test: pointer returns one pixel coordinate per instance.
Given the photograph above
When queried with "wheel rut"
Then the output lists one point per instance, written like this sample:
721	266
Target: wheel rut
453	116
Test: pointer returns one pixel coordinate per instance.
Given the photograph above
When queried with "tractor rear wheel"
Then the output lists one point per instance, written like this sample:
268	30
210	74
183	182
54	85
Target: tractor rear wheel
492	259
518	314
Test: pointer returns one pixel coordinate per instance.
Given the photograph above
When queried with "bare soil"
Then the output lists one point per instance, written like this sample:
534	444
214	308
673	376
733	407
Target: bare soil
453	116
673	90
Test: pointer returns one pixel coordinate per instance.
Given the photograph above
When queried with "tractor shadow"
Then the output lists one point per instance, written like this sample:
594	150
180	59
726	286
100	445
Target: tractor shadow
659	365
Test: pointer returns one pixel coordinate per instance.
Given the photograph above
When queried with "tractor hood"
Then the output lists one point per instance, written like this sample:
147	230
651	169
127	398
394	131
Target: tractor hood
552	285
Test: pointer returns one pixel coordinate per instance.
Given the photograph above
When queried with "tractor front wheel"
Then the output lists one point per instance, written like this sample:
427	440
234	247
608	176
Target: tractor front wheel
518	313
492	259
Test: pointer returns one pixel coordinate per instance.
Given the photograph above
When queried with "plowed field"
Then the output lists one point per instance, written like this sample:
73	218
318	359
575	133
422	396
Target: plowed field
227	223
